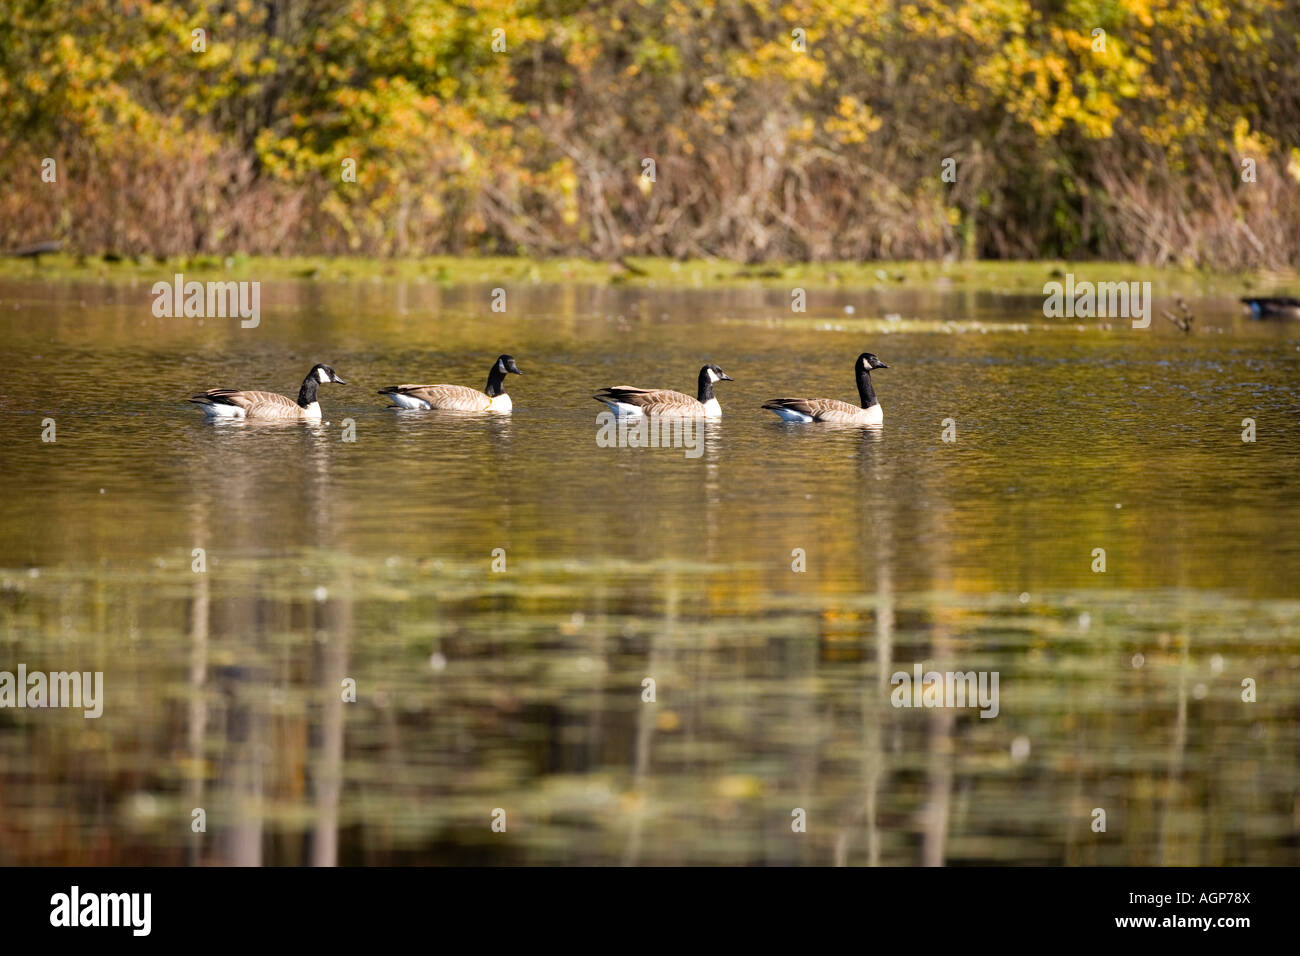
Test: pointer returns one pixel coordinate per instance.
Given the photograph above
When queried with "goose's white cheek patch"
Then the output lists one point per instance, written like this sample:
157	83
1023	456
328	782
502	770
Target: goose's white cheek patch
321	374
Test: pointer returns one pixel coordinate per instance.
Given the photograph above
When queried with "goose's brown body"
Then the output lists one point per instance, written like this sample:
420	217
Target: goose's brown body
267	406
663	402
832	410
450	397
458	398
256	404
829	410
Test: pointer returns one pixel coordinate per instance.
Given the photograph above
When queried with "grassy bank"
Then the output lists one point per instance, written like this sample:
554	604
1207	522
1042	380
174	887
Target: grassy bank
1027	277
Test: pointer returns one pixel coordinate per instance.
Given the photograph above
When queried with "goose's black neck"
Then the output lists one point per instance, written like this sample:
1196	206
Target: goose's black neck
706	386
307	394
496	382
865	390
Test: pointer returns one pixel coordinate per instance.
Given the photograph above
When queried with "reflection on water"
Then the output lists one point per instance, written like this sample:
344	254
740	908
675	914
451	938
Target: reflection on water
498	590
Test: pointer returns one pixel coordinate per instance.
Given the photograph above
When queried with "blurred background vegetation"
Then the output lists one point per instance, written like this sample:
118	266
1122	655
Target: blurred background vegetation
762	151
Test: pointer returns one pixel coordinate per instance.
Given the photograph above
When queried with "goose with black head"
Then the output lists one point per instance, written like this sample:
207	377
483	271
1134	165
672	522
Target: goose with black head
805	410
627	400
459	398
269	406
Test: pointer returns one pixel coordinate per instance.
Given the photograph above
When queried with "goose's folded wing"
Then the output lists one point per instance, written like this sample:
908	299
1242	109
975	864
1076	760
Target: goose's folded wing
247	400
821	409
624	393
793	404
451	397
658	400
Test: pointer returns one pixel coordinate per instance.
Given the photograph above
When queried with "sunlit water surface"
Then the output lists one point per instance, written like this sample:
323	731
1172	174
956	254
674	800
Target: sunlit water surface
501	590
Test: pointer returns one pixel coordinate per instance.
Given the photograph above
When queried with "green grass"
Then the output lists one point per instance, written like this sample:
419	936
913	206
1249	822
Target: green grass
987	274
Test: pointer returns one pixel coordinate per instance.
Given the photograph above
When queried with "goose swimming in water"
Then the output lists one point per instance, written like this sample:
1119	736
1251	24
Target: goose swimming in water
459	398
832	410
270	406
664	402
1277	307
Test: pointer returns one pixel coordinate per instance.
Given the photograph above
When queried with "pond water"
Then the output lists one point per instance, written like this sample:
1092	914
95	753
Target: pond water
499	590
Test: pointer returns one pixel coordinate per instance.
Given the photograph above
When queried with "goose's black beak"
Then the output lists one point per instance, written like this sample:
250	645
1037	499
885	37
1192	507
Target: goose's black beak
882	365
516	370
727	378
339	380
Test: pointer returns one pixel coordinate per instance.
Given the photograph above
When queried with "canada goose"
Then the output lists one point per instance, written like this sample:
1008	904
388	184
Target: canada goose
831	410
627	400
458	397
1279	307
232	403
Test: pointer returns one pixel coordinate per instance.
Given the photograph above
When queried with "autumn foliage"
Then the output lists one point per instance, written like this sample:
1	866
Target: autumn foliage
1154	130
